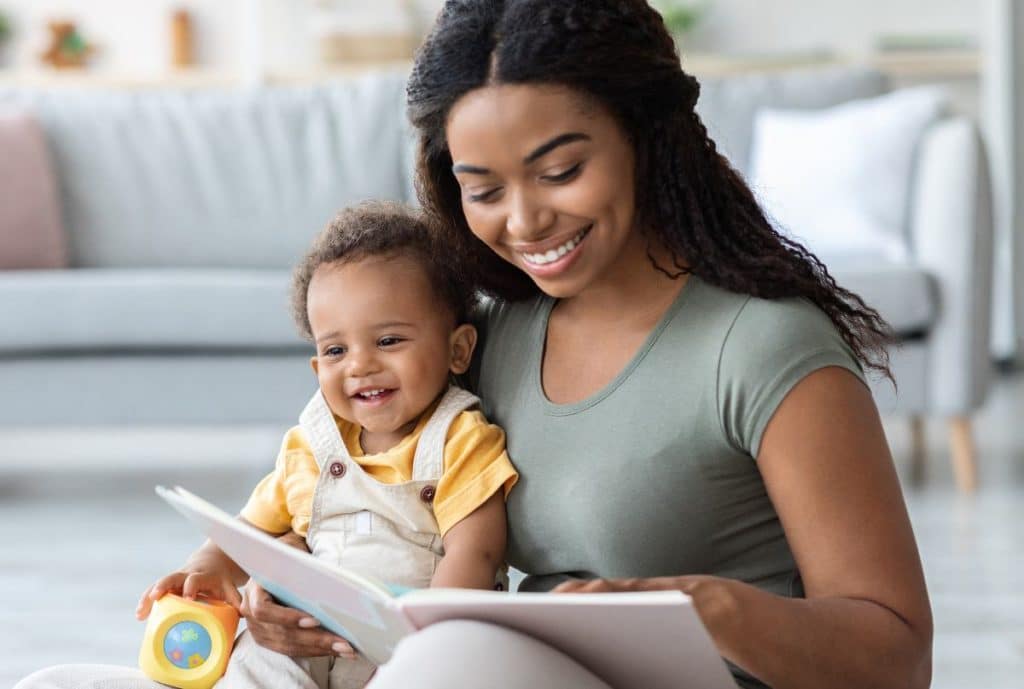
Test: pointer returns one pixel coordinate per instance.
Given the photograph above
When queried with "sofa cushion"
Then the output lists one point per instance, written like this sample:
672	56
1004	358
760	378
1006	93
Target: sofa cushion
160	309
31	234
838	179
218	177
727	105
903	294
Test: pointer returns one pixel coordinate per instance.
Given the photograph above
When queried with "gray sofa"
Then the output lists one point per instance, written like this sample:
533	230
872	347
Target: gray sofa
185	210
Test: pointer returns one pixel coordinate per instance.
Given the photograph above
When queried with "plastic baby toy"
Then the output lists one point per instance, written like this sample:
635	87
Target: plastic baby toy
187	642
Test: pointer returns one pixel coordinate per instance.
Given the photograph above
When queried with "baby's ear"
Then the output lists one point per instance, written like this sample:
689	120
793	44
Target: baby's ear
315	363
462	344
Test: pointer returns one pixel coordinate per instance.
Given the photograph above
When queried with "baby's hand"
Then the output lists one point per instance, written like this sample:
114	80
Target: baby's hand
189	584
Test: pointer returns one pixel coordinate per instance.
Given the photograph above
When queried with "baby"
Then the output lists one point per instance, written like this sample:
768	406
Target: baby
390	472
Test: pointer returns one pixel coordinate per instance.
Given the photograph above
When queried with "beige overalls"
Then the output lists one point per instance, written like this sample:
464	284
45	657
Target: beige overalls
386	531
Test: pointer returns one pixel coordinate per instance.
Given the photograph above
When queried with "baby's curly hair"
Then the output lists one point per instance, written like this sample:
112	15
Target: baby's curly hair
383	228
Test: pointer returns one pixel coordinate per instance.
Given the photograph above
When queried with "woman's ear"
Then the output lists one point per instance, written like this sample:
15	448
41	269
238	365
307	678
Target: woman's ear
462	344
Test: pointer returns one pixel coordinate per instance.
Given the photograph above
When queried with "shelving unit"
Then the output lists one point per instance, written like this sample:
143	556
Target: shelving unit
917	66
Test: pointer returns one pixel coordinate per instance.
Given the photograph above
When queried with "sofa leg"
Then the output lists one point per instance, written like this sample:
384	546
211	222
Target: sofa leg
918	450
965	465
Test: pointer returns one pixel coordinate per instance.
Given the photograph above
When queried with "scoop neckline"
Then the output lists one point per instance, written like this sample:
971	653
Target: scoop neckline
540	342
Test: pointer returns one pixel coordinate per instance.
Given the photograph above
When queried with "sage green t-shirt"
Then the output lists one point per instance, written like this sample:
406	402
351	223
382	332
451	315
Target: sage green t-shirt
655	474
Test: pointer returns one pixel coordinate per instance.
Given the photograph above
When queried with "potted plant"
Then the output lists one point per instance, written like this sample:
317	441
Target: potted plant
681	16
5	34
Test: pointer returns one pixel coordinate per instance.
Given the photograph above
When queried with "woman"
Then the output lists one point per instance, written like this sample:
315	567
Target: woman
682	387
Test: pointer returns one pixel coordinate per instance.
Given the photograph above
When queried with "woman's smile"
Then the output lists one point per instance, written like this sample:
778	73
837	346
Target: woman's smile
556	259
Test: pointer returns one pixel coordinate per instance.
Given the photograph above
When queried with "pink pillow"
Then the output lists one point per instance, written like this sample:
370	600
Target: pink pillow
31	235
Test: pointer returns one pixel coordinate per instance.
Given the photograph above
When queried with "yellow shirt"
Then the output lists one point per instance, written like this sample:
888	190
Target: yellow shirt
475	467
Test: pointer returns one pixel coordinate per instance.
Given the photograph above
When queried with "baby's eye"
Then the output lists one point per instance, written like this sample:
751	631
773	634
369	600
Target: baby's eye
334	350
388	341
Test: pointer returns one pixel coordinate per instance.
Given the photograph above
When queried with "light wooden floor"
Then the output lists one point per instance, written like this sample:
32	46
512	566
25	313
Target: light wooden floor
77	547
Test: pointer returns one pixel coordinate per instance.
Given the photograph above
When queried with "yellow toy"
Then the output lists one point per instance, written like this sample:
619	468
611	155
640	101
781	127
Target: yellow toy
187	642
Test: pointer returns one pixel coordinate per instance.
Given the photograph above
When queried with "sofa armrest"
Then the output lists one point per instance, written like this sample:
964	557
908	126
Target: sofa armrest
951	237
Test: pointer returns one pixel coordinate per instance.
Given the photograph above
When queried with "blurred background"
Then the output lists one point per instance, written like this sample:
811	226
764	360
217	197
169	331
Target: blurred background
163	164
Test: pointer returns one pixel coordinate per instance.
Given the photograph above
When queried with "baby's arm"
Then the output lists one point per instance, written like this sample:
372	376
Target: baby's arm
208	571
474	548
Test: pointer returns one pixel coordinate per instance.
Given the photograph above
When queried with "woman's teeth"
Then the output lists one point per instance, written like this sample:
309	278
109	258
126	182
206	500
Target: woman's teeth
553	255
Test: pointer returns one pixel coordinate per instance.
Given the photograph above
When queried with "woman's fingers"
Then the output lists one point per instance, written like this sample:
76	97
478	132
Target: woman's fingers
287	630
307	643
624	585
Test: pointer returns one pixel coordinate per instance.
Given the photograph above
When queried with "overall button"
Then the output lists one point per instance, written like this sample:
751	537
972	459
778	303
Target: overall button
337	470
427	494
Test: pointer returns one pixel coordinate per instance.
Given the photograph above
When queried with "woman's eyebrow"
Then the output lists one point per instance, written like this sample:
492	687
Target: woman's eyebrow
542	150
560	140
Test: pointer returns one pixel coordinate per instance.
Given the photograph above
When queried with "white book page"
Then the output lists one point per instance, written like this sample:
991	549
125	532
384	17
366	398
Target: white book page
355	607
653	639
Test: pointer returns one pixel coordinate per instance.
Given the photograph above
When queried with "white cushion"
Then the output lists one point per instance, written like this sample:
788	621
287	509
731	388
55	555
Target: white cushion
838	180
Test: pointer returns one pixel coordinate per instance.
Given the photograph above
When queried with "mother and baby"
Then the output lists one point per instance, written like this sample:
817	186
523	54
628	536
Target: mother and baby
674	393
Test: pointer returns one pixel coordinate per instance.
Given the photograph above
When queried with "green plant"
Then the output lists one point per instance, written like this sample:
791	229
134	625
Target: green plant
5	28
681	15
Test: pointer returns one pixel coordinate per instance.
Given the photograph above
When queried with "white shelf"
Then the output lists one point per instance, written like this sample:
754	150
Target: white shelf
918	65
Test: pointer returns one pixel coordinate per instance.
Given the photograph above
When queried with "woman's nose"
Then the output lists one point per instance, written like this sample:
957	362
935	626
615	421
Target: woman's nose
527	218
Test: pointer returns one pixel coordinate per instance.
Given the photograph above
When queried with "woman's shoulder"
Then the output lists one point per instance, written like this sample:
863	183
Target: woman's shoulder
789	327
770	346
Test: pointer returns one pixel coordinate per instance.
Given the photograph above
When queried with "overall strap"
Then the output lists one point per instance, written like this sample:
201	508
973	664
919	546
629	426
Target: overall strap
321	431
428	463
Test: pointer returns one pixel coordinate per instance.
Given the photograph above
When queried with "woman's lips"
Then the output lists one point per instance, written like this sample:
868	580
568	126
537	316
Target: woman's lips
555	260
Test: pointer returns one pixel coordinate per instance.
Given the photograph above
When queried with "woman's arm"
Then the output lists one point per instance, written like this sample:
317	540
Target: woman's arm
474	548
866	619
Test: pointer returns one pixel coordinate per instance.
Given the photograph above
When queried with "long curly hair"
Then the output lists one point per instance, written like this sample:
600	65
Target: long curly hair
688	196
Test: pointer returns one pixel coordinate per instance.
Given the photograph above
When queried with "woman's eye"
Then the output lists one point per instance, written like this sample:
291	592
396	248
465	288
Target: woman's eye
563	176
483	196
388	341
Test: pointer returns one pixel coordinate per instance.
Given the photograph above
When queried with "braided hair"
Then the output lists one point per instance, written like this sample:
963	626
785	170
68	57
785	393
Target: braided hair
688	196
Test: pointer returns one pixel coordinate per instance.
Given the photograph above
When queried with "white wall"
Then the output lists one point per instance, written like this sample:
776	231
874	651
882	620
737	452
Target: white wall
133	34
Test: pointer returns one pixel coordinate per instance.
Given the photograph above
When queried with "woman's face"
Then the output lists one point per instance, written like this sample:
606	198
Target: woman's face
547	182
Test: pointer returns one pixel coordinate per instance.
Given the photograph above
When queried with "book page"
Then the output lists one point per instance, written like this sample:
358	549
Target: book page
652	639
352	606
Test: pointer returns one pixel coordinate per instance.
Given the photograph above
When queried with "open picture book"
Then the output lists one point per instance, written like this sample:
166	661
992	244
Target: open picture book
651	639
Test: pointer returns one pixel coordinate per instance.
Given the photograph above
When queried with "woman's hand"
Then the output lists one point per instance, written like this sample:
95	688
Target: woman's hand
286	630
715	599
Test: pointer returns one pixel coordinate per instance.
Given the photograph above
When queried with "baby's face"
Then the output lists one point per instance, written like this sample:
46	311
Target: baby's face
385	346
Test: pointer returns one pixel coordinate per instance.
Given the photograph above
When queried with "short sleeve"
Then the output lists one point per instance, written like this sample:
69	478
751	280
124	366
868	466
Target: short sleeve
281	501
476	467
771	346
